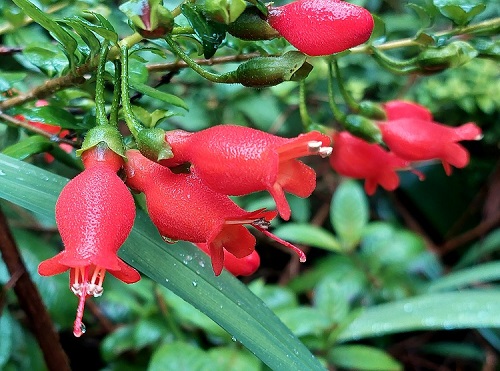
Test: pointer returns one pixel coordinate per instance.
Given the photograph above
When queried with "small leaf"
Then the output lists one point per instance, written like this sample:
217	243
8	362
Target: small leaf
349	212
305	320
28	147
211	33
49	61
362	357
103	29
85	33
8	79
157	94
232	358
178	356
307	234
460	11
6	331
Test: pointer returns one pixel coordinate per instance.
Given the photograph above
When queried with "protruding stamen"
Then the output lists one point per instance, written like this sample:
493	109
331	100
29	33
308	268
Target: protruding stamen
79	327
314	146
299	252
325	151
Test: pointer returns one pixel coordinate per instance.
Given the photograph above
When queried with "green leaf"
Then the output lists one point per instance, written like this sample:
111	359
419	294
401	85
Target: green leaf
460	11
467	277
349	212
157	94
331	298
226	358
305	320
103	28
28	147
362	357
476	252
8	79
51	115
49	61
119	341
85	33
60	34
442	311
307	234
179	356
224	299
211	33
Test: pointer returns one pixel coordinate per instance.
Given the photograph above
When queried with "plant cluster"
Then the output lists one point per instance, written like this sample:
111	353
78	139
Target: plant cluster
175	152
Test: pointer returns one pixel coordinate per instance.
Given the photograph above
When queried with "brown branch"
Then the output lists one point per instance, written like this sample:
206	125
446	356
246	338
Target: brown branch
158	67
10	50
31	302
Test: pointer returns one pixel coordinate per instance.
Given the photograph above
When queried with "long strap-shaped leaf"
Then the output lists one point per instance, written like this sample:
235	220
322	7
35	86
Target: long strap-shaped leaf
180	268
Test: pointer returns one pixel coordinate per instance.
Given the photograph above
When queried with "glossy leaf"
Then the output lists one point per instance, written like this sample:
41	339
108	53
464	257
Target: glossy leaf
307	234
178	356
225	299
442	311
460	11
211	34
28	147
48	115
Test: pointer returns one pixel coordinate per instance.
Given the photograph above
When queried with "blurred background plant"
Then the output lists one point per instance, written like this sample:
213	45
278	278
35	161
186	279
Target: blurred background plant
400	280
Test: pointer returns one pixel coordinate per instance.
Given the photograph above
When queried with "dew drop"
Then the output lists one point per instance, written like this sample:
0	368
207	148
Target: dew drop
79	332
233	338
2	173
201	263
195	283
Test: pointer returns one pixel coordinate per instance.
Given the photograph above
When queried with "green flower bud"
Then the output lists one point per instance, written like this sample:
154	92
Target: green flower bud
363	127
152	144
224	11
251	25
269	71
149	17
454	54
103	134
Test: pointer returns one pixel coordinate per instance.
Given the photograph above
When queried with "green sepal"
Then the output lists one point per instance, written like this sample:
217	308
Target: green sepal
224	11
363	127
371	110
269	71
103	133
454	54
152	144
251	25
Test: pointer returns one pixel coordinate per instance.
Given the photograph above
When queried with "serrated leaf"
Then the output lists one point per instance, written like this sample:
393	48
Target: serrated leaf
28	147
224	298
157	94
442	311
60	34
349	212
307	234
211	33
363	357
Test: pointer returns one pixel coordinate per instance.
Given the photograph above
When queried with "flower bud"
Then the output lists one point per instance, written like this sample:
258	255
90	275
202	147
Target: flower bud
251	26
103	133
269	71
224	11
454	54
152	144
149	17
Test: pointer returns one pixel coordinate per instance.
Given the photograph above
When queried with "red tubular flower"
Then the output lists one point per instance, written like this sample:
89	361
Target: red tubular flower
411	133
245	266
236	160
355	158
94	213
322	27
183	208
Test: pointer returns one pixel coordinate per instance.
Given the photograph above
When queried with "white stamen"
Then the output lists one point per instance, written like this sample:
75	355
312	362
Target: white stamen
314	145
325	151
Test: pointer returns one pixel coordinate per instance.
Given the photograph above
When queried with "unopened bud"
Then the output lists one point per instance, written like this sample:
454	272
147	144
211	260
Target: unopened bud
251	25
363	127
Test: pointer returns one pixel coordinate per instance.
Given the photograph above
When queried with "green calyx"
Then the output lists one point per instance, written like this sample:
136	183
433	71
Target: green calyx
149	17
103	134
372	110
269	71
363	127
152	144
251	25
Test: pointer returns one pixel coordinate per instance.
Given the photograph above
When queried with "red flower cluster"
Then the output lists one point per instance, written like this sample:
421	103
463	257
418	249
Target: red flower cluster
411	135
94	214
322	27
183	208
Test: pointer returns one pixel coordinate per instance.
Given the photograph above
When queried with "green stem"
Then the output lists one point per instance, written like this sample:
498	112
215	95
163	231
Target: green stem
182	30
337	113
304	115
128	41
133	124
393	65
100	105
353	105
115	104
196	67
